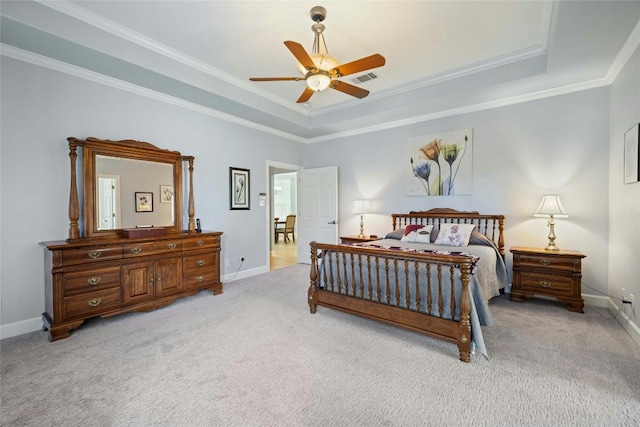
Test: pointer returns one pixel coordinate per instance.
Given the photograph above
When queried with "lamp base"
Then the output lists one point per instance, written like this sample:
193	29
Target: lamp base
361	235
552	237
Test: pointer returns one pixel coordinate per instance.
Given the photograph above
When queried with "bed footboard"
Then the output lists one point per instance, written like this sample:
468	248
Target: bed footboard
422	292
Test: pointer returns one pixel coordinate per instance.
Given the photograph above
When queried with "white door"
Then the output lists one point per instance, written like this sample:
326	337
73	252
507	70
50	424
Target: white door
317	209
109	197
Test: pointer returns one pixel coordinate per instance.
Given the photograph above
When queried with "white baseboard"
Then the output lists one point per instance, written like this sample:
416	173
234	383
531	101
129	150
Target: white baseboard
35	324
244	274
31	325
20	328
624	320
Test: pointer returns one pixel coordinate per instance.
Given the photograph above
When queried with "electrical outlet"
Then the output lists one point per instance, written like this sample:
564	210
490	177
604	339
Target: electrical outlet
631	299
242	259
226	262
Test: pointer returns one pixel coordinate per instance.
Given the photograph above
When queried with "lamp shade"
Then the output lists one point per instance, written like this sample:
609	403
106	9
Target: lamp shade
360	206
551	206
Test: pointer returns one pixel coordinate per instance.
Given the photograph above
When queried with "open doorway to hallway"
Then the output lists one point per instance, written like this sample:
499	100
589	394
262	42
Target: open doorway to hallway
283	202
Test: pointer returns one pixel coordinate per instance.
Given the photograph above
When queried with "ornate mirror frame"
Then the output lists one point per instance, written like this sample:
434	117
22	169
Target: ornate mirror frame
126	149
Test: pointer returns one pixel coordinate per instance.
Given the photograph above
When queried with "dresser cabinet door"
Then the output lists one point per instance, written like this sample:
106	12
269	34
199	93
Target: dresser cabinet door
168	277
137	282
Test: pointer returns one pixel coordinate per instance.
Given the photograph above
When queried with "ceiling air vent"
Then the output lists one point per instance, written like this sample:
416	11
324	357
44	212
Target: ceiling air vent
364	78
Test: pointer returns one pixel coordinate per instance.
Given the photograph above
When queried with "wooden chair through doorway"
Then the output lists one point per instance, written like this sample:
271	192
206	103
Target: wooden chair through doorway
287	229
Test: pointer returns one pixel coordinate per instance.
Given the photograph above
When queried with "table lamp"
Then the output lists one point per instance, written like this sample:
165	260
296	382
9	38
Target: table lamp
551	207
361	207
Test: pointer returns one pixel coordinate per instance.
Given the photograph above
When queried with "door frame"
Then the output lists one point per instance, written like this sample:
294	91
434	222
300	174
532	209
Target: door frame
268	220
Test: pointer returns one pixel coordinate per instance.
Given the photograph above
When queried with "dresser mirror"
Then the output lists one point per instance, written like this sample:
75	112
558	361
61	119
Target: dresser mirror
118	181
127	184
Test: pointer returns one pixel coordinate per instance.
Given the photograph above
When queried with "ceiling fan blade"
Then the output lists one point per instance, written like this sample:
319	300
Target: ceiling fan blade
362	64
301	55
305	95
349	89
275	79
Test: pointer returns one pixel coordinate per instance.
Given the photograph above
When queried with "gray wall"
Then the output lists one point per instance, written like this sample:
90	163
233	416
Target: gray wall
41	108
624	200
520	152
563	145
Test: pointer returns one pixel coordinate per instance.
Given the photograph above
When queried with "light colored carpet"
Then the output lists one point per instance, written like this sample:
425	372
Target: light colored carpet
255	356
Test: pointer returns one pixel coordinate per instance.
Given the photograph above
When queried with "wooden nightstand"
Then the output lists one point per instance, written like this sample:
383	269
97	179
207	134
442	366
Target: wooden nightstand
356	239
553	273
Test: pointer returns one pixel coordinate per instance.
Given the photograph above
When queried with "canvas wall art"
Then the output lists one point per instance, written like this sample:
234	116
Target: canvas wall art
440	164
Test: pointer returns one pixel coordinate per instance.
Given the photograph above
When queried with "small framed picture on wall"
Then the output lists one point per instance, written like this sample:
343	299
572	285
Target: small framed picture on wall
144	202
631	155
238	188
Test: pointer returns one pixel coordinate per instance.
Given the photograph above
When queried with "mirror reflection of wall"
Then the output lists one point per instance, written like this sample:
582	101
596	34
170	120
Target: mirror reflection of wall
133	176
284	197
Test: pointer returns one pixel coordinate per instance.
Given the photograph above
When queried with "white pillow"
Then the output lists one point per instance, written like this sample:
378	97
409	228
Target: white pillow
454	234
417	233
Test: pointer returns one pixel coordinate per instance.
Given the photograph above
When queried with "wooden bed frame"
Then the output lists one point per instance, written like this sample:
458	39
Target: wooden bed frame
356	300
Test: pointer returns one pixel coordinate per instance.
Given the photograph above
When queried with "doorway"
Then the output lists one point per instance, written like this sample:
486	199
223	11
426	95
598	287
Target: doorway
283	201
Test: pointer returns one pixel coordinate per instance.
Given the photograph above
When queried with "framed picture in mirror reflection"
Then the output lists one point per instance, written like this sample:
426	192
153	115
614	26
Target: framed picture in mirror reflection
144	202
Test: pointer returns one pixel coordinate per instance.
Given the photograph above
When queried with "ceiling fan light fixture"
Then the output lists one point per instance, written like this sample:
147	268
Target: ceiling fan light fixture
321	70
319	81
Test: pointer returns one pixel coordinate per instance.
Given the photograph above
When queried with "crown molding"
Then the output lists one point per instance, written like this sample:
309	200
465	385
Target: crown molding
625	54
63	67
549	93
124	33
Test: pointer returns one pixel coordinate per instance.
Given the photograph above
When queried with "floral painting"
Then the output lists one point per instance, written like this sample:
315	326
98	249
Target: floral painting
440	164
238	188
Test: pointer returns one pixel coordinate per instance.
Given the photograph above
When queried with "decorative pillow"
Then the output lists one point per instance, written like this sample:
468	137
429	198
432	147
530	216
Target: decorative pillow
395	234
454	234
416	233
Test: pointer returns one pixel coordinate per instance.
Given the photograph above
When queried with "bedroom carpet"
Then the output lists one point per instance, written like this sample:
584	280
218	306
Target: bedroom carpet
255	356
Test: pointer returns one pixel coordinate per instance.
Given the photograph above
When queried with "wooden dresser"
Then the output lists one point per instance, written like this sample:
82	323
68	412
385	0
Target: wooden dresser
117	264
553	273
103	278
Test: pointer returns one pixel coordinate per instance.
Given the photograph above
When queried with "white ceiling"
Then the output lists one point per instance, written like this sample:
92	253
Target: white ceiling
442	57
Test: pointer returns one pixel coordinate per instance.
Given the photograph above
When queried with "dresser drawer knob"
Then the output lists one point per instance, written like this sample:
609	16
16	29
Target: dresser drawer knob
544	261
94	254
200	262
94	302
172	245
545	283
200	279
136	250
200	242
94	280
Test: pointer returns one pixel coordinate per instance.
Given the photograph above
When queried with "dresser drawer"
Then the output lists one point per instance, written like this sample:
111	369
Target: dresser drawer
91	254
131	250
90	304
198	279
92	280
545	283
201	261
547	262
200	242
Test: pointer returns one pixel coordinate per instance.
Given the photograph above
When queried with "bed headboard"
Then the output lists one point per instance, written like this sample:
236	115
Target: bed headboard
491	226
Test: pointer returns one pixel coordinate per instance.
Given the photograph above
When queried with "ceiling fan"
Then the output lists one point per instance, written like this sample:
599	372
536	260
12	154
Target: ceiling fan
320	70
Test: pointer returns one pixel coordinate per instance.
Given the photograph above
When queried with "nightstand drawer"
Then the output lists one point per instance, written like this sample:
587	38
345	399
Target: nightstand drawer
544	283
548	262
556	274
